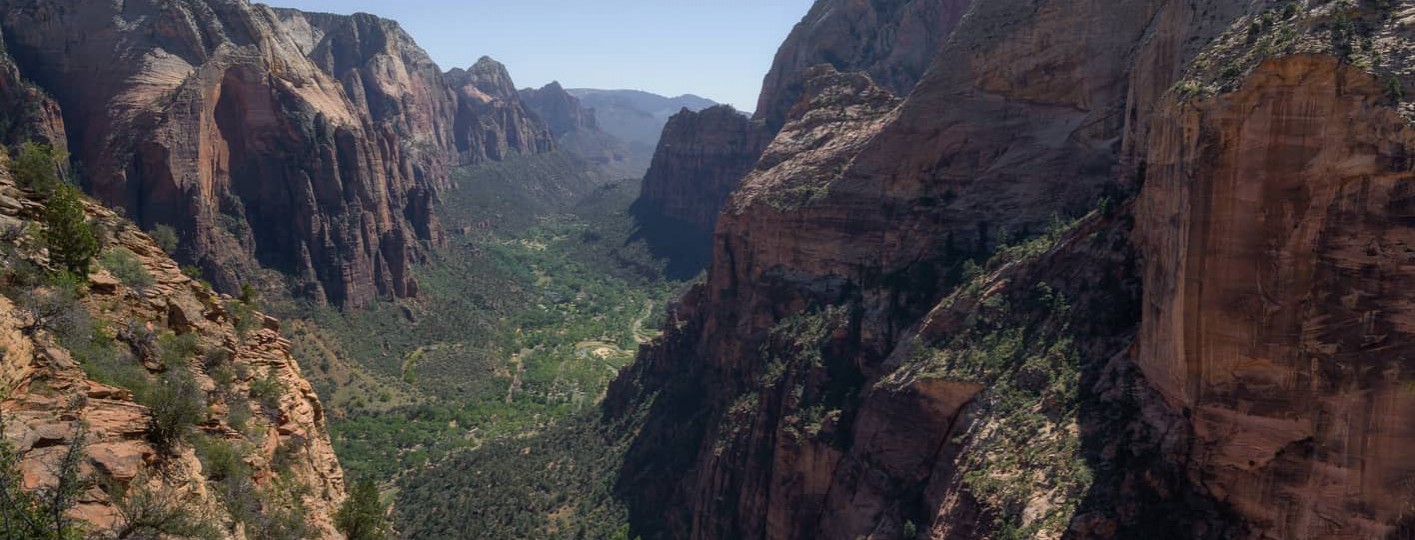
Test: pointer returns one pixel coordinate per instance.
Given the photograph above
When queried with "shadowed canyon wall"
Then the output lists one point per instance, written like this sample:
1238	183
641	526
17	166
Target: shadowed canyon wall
1137	281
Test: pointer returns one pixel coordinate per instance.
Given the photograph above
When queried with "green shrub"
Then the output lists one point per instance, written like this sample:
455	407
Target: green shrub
267	391
221	459
35	166
71	241
175	350
177	406
244	317
166	238
125	265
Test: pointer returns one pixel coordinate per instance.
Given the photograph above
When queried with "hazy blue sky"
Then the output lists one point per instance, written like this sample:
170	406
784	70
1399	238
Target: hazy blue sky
718	49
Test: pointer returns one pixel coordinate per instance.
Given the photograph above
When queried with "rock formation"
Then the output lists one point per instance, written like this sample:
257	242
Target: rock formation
310	144
892	41
253	397
492	122
1139	282
701	158
577	131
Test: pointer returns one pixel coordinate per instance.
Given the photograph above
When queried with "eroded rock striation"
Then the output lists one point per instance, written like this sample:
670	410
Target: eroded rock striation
310	144
1140	282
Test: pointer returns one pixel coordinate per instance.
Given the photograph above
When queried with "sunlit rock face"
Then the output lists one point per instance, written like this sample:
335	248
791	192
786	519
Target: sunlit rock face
310	144
703	156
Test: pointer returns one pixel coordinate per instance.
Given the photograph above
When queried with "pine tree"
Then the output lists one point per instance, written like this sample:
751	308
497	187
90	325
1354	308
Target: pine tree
72	243
363	515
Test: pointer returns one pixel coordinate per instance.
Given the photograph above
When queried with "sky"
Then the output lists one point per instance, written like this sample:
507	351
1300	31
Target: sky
718	49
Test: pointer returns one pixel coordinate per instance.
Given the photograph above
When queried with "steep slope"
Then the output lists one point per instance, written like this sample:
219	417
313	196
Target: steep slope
310	144
891	41
916	325
577	130
101	372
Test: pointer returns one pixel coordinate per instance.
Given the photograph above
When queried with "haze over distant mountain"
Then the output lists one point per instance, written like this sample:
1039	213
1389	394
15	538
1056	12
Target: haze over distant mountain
636	116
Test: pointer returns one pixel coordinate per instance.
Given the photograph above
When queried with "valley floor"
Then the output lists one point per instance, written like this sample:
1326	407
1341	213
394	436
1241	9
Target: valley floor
541	295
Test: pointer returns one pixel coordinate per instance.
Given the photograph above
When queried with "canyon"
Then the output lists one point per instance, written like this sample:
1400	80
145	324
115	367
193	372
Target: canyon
1012	269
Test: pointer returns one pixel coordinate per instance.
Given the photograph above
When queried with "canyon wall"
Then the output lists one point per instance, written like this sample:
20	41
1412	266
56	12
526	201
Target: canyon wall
310	144
703	156
1132	282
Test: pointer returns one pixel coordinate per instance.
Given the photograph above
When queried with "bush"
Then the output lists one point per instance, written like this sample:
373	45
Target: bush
177	407
35	166
221	460
146	513
71	241
166	238
125	265
363	515
267	391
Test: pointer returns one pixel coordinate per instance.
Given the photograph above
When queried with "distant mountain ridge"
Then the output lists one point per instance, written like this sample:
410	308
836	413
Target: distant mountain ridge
636	116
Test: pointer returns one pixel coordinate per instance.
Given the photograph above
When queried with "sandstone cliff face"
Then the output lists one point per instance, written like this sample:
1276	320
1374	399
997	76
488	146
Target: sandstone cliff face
894	41
310	144
492	122
53	402
1276	219
700	159
1236	371
36	117
561	111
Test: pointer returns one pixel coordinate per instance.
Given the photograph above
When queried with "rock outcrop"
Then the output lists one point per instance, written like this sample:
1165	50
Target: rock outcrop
1137	282
492	122
142	333
892	41
561	111
310	144
701	158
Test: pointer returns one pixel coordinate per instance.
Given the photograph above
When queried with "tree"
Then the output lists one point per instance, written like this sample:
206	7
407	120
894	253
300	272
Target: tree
35	167
363	516
72	243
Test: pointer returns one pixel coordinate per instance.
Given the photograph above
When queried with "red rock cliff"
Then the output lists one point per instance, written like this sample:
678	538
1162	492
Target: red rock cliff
702	157
310	144
932	319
